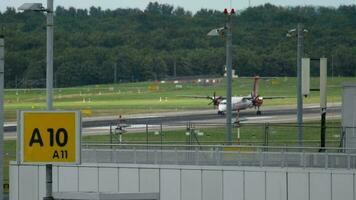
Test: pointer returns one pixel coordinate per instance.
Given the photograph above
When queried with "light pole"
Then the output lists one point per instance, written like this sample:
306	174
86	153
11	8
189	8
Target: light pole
49	73
300	51
2	63
226	31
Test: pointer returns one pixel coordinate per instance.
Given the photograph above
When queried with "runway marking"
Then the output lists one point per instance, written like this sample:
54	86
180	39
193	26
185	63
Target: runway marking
261	117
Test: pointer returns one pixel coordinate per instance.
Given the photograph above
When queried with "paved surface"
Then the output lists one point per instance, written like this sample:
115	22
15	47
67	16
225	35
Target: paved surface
177	120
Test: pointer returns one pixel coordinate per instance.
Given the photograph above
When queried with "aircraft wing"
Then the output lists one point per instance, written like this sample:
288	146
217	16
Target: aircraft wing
195	96
267	97
276	97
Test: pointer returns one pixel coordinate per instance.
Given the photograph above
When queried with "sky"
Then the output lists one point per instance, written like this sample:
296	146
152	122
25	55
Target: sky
192	5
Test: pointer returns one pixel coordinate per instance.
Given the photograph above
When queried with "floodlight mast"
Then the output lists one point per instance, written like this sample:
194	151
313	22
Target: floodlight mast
299	32
2	64
49	74
229	77
226	31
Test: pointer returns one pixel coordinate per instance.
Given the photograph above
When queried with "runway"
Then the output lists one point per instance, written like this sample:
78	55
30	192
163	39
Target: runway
178	120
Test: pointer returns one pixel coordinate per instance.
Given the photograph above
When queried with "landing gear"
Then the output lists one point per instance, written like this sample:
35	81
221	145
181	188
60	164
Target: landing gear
258	112
221	113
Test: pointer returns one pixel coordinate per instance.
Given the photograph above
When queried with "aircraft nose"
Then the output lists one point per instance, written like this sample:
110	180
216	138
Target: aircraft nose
222	108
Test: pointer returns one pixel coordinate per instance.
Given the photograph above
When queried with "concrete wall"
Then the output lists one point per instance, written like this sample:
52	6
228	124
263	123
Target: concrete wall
349	115
27	182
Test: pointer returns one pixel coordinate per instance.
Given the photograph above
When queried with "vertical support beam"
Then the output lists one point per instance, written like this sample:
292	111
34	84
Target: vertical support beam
323	82
228	80
300	51
323	101
49	74
305	77
2	70
49	85
147	133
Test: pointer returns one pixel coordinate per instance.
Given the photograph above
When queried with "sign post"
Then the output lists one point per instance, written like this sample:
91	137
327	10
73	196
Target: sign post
50	137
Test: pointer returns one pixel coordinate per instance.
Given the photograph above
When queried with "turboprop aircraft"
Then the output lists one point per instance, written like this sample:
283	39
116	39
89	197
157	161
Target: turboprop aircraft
254	100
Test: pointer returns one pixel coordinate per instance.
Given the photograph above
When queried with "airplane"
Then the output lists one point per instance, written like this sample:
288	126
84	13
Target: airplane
254	100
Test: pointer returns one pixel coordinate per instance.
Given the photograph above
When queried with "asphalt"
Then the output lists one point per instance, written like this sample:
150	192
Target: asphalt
274	114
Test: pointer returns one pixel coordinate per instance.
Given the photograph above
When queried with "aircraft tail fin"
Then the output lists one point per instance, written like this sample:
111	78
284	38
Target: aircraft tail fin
254	93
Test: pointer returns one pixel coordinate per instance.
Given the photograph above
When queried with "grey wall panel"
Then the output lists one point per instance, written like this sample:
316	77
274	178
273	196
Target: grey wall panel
13	175
28	185
320	186
298	186
128	180
191	185
170	184
233	185
88	179
212	185
342	186
108	180
254	185
276	187
349	115
190	182
55	179
149	180
42	182
68	179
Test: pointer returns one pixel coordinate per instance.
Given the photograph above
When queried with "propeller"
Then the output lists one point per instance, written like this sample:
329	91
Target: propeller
215	100
257	101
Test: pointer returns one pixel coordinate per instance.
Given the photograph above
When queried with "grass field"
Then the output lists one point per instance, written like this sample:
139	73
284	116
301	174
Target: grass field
147	97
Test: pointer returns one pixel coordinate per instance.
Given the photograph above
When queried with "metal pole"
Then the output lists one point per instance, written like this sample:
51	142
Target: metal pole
323	129
228	80
111	135
49	54
323	101
49	81
300	50
161	134
147	133
2	64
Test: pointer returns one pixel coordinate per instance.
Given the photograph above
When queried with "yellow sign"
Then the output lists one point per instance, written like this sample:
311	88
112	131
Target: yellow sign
50	137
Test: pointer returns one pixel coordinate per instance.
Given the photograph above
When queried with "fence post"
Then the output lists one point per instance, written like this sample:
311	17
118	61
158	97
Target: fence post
161	133
261	157
283	158
197	156
111	134
266	128
176	153
147	134
155	157
218	155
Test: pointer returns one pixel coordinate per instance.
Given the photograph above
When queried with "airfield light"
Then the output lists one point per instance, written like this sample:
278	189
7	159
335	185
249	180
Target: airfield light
225	11
232	11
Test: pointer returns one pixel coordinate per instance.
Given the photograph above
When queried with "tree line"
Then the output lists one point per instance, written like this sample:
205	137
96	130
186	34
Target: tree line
95	46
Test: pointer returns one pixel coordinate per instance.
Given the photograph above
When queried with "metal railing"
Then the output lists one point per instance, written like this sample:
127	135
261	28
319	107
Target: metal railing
219	155
264	134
